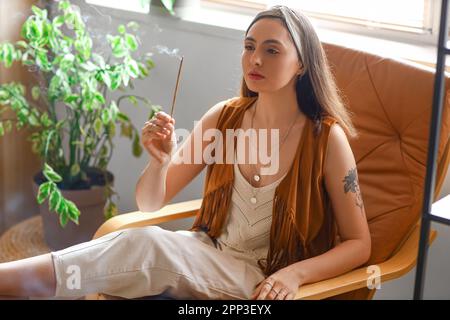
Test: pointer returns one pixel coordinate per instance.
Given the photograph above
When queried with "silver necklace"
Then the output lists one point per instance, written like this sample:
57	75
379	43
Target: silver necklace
256	175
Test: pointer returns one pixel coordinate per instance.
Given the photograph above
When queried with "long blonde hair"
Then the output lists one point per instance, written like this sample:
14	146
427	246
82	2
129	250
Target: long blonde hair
317	93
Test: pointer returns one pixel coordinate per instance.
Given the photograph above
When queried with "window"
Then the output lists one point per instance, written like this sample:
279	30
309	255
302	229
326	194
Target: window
142	6
399	20
403	15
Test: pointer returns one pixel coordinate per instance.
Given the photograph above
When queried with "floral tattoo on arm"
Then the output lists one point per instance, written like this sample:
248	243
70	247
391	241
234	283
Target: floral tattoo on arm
352	184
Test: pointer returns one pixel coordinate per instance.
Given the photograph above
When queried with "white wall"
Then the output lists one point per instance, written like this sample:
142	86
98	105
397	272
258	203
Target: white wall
211	72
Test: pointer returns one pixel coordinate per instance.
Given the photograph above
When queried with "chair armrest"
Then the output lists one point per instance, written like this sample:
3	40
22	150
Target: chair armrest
136	219
396	266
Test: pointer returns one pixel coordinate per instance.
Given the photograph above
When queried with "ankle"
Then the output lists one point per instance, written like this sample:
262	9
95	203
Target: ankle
5	282
28	277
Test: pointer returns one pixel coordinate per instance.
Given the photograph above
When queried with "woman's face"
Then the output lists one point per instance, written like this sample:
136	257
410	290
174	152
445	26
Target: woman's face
269	51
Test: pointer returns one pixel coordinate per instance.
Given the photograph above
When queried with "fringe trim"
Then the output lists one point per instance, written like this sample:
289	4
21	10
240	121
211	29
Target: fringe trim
213	211
286	244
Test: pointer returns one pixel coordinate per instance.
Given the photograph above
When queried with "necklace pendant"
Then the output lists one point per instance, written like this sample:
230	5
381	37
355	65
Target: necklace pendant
256	177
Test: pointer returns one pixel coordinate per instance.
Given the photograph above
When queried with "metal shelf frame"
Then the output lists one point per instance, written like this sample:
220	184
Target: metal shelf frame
436	117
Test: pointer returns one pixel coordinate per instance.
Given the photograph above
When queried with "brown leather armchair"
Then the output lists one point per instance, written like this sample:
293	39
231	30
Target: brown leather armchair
391	101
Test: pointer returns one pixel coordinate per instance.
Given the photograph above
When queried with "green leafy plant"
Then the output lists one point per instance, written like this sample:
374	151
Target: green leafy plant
77	81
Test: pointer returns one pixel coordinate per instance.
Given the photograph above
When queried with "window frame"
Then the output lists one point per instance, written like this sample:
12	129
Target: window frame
429	37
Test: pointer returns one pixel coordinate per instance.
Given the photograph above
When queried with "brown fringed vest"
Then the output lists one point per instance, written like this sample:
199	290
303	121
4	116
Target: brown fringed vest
303	223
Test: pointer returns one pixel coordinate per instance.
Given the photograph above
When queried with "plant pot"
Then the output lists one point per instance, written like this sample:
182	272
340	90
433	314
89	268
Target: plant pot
90	202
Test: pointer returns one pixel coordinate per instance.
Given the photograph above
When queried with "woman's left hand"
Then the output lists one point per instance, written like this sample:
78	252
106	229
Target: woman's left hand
281	285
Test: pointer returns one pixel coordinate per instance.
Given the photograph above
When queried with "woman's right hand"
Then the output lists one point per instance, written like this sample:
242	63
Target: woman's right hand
158	137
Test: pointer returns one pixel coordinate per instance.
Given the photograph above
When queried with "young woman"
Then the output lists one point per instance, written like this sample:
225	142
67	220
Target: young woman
259	236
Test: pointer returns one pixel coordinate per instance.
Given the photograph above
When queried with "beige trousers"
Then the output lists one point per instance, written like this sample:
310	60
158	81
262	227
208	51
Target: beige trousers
152	261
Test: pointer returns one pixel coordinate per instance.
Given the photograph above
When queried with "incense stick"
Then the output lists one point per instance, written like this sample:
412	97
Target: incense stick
176	87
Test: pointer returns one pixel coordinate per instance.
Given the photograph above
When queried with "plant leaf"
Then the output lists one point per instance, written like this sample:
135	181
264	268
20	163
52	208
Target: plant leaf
89	66
97	126
71	98
46	122
133	25
8	54
133	68
106	117
112	129
99	97
114	110
55	198
33	120
131	42
62	207
50	174
126	130
133	100
22	44
63	218
123	117
75	169
64	5
110	210
115	80
121	29
4	95
67	62
73	211
137	149
154	111
143	69
125	78
106	78
58	21
44	191
39	12
118	47
99	60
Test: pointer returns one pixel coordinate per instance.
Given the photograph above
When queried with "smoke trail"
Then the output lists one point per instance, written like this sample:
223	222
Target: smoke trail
165	50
